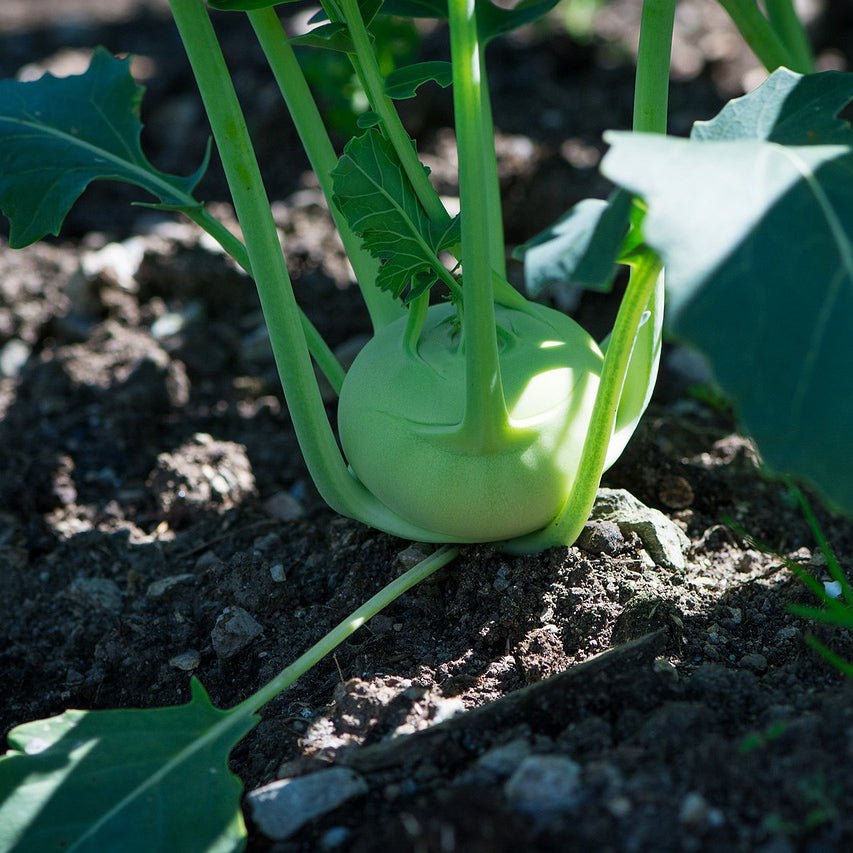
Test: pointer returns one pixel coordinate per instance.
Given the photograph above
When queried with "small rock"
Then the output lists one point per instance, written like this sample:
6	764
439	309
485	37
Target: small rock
96	592
602	537
284	507
662	538
158	588
696	813
233	631
187	661
413	555
277	573
544	784
283	807
334	838
832	588
756	662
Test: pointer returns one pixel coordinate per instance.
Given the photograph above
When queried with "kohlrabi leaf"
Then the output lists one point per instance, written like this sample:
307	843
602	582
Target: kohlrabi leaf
494	20
753	217
581	248
404	82
381	207
367	119
327	36
58	134
124	780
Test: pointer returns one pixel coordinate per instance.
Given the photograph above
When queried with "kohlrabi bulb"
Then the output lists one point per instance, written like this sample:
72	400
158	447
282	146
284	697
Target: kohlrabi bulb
399	419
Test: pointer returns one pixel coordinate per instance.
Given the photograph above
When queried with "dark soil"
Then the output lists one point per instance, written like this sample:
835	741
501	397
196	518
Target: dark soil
151	480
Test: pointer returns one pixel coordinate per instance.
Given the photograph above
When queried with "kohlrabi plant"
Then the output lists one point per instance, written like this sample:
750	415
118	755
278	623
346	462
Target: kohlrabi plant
474	414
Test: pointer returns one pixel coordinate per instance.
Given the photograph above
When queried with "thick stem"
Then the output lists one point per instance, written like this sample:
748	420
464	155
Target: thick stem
374	84
760	36
381	306
338	487
493	207
343	630
567	525
485	421
651	87
784	19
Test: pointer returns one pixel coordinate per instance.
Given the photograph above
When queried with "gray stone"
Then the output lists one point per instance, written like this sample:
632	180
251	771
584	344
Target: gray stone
664	540
544	784
187	661
411	556
602	537
283	807
158	588
95	592
233	631
284	507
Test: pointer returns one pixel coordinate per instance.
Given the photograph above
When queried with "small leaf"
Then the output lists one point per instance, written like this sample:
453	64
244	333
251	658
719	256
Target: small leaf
753	217
328	37
118	780
380	205
580	248
494	20
58	134
404	82
367	119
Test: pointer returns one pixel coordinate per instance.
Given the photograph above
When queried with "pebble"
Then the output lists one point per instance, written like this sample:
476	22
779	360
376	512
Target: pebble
413	555
187	661
277	573
283	807
756	662
235	628
158	588
283	507
602	537
664	540
96	592
544	784
696	813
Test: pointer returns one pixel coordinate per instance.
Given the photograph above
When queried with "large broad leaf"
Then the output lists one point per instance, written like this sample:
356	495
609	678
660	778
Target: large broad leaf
380	205
580	248
57	135
124	780
753	217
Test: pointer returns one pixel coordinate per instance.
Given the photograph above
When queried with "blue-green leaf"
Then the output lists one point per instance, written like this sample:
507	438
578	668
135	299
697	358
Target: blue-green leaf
753	217
581	248
404	82
57	135
381	207
124	780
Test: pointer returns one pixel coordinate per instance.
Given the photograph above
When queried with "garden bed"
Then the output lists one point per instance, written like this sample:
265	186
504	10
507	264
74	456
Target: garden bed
157	522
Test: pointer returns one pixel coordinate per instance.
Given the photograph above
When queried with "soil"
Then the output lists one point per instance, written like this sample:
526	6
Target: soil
152	489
